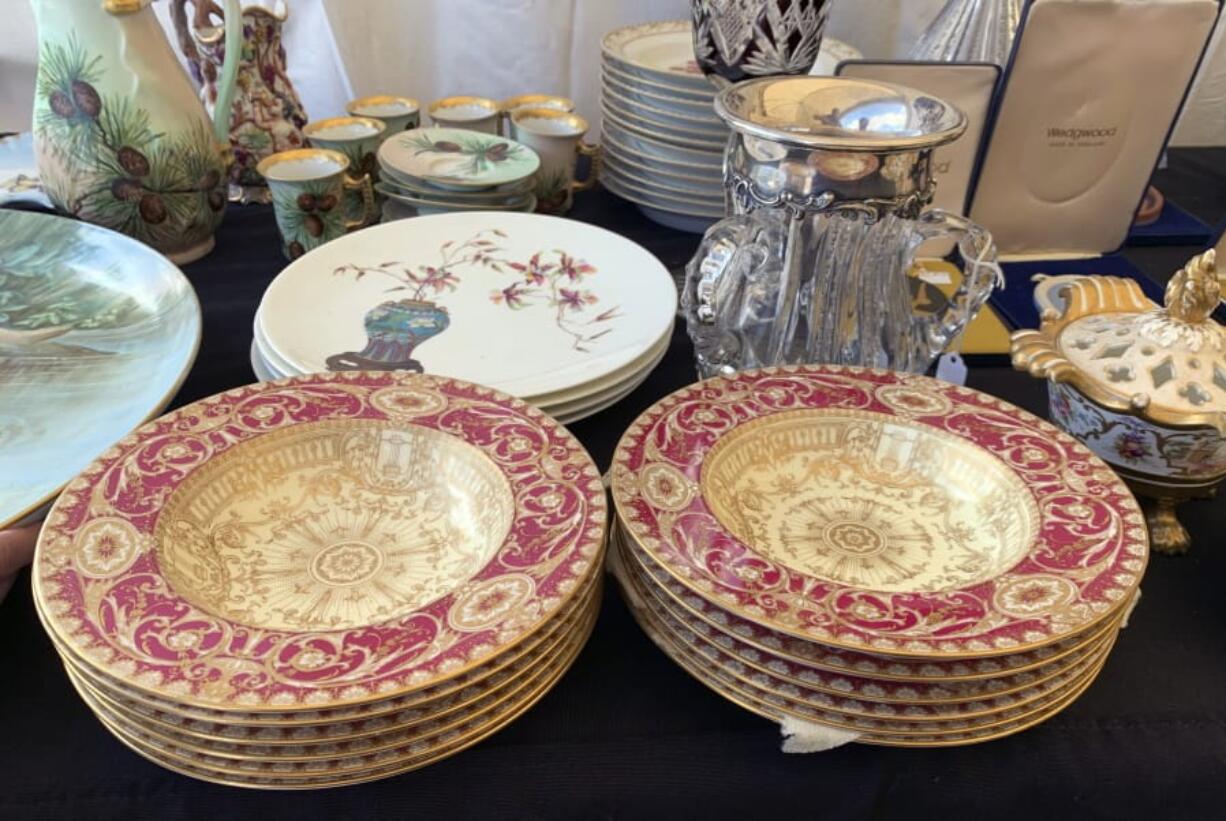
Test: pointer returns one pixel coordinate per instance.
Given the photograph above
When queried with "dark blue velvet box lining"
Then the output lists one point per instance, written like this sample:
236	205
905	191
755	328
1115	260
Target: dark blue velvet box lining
1015	302
1174	226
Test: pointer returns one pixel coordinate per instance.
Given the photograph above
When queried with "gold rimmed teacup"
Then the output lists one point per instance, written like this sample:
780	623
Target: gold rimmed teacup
512	104
399	113
556	101
358	138
466	111
557	136
308	188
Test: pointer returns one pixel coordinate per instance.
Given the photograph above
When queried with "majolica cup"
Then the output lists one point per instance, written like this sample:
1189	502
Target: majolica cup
472	113
358	138
558	138
308	194
398	113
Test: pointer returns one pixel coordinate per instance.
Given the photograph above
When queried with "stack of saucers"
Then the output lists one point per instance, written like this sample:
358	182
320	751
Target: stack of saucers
562	314
663	143
442	170
324	580
871	556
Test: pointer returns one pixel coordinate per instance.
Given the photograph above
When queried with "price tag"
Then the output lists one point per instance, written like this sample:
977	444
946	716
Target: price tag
951	368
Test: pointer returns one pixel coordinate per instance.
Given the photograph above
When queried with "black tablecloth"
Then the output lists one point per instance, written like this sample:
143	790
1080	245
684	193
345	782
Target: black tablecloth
626	734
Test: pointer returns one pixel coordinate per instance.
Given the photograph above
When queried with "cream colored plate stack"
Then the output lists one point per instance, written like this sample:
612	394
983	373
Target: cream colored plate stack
562	314
883	558
324	580
663	143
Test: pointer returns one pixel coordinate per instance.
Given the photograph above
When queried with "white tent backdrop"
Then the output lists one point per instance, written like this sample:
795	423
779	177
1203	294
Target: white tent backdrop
427	49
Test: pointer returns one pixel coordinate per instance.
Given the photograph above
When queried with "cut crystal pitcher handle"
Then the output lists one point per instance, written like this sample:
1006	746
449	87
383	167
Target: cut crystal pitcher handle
980	274
720	296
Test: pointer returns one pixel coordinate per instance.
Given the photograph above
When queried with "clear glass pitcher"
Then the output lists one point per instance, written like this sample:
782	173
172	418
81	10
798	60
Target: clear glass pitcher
767	288
828	179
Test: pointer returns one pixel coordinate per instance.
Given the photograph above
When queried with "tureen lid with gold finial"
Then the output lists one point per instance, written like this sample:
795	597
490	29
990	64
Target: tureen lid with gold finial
1165	363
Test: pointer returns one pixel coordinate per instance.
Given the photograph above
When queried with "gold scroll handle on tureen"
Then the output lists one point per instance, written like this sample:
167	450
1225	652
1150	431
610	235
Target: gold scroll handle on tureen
1192	295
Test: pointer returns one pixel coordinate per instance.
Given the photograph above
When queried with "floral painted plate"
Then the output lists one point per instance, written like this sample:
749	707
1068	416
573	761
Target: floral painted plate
320	541
880	512
525	303
97	332
458	158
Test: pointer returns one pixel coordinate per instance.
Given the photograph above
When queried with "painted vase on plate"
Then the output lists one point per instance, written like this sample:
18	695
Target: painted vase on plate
393	330
120	137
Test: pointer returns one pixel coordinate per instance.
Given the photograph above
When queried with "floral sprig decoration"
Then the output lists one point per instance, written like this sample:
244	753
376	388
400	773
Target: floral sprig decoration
552	279
555	281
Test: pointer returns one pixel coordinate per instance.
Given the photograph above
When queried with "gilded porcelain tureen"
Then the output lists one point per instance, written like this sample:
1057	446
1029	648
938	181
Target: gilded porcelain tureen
1143	386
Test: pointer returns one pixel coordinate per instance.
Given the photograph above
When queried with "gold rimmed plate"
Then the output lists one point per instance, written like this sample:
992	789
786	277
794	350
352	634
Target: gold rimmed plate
881	512
651	110
710	190
449	743
881	727
662	131
672	205
772	712
852	707
706	179
298	726
849	662
343	751
353	536
842	684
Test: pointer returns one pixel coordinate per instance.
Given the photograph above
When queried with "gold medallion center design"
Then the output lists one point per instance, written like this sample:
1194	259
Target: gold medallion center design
333	525
346	563
869	500
853	538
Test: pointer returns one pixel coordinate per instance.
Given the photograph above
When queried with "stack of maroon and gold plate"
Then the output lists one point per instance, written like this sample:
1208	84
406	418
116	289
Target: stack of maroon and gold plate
326	579
907	561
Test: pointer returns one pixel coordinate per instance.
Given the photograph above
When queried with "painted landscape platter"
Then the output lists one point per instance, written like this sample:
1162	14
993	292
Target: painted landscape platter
458	157
97	331
880	512
320	541
524	303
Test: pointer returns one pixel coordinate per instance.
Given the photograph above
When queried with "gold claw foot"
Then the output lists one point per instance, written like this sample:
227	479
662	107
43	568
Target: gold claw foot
1166	533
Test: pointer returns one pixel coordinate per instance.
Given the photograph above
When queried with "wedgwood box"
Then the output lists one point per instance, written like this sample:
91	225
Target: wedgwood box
1090	97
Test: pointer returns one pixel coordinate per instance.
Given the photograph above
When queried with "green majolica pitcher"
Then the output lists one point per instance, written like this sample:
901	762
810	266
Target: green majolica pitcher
120	136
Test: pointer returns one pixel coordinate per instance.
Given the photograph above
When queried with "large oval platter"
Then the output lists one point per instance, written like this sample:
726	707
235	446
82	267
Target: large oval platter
97	332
